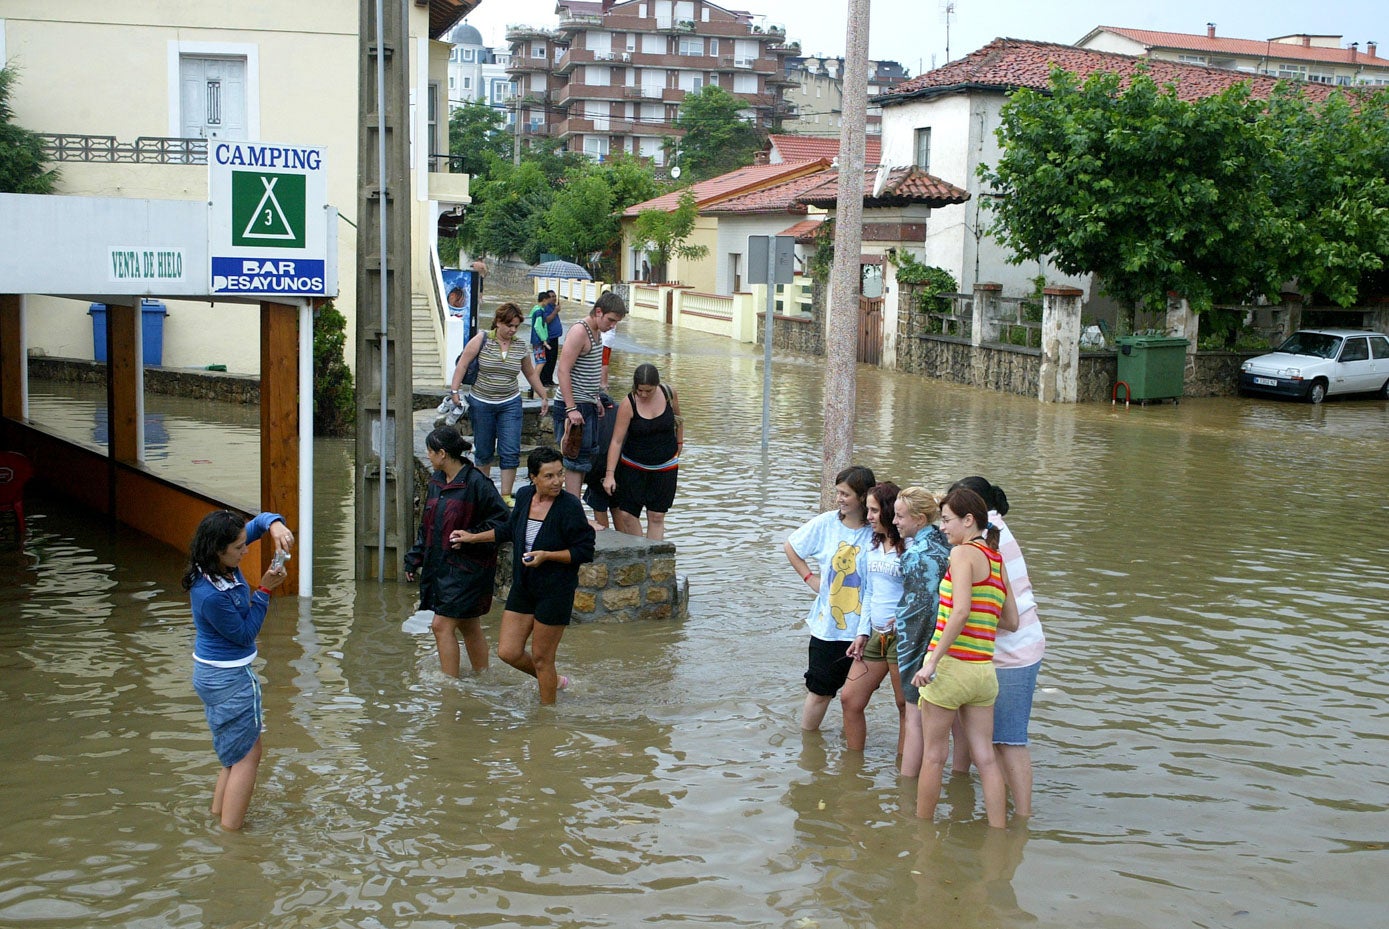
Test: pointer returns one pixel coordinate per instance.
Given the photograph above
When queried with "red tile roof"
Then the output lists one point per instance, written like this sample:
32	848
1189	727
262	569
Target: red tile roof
780	198
734	183
903	185
812	148
804	231
1007	64
1248	48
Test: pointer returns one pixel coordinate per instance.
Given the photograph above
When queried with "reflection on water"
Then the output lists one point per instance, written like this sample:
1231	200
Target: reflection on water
1208	736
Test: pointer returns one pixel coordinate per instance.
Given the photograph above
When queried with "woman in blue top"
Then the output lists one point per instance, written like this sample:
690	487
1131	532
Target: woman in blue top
227	616
927	554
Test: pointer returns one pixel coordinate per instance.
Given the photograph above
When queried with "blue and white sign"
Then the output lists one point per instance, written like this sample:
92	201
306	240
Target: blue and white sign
269	221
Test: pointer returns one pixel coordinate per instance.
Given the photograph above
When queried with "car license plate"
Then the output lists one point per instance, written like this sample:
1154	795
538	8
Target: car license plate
1266	381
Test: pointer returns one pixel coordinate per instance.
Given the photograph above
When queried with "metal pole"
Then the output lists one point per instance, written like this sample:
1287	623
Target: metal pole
305	534
767	349
841	333
385	291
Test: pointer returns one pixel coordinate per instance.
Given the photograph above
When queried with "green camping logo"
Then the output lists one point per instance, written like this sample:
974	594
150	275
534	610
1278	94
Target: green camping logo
268	209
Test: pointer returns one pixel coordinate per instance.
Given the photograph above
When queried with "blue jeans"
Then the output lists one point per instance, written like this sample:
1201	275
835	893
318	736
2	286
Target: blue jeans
496	429
1013	706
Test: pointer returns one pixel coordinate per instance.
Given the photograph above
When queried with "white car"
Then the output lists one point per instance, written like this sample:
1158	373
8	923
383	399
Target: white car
1313	363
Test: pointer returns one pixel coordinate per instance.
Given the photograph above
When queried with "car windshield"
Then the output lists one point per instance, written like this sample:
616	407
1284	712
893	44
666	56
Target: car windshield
1316	344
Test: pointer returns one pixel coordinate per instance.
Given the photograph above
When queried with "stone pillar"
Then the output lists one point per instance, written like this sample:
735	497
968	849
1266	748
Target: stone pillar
984	327
1292	314
1060	344
1182	322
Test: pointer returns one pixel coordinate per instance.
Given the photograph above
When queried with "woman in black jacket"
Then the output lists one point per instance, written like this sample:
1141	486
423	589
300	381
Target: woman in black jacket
550	538
456	579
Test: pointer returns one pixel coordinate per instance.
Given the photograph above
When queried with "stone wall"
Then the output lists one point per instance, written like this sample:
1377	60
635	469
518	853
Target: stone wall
1006	368
629	579
193	383
507	277
799	332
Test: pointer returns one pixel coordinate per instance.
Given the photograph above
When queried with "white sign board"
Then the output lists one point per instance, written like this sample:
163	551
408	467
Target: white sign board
268	221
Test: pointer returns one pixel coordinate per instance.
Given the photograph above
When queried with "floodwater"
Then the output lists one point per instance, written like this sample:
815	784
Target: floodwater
1210	734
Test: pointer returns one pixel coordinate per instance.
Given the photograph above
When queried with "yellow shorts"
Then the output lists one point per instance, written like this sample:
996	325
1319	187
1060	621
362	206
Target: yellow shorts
961	683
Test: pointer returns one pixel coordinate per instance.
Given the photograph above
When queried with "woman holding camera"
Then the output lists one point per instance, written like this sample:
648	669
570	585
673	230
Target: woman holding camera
227	616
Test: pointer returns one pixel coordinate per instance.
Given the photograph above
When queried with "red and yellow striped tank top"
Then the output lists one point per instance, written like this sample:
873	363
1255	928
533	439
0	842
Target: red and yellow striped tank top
976	641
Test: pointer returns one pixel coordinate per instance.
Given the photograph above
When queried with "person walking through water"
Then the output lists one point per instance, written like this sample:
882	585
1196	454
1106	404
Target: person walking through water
644	455
494	403
227	618
550	537
546	328
958	673
580	374
838	540
456	580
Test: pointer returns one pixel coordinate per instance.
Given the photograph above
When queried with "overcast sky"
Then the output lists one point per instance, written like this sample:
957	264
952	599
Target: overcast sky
913	31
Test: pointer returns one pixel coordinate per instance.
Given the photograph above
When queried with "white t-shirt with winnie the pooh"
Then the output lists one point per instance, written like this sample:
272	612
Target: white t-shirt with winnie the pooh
841	554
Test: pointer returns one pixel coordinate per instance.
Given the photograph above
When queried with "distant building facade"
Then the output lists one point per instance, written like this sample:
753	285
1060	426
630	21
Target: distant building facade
612	76
478	73
1320	59
816	95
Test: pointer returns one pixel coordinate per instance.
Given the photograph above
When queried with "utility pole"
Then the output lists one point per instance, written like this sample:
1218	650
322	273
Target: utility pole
385	419
841	333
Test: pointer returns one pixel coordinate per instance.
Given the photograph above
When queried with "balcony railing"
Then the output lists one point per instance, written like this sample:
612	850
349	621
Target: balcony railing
160	150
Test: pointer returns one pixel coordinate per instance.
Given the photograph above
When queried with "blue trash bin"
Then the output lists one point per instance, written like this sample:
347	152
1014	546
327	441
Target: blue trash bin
152	313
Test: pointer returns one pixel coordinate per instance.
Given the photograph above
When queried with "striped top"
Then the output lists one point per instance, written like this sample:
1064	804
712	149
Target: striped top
496	372
976	640
586	377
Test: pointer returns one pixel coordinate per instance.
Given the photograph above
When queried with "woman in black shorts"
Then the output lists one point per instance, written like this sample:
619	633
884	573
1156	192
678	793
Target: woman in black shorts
550	538
644	457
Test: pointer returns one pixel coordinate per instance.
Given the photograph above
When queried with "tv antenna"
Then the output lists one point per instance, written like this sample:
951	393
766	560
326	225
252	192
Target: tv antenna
947	10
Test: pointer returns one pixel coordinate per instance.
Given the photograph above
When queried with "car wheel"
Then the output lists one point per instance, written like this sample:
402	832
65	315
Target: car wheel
1317	392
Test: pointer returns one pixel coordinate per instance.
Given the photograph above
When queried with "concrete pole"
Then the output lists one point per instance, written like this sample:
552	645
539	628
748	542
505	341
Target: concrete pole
841	331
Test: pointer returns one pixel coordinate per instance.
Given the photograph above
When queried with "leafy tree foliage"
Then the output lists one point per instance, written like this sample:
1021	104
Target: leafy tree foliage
477	137
508	212
1219	199
21	153
582	221
335	408
662	235
717	140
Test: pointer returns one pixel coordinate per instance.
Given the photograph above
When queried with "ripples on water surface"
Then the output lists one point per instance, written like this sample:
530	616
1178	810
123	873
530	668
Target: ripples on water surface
1210	734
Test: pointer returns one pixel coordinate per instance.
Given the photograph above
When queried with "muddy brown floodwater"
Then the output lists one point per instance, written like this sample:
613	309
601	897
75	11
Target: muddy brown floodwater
1210	732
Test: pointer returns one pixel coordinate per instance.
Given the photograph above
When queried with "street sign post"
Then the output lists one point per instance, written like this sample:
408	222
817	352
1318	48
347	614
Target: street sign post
771	261
268	221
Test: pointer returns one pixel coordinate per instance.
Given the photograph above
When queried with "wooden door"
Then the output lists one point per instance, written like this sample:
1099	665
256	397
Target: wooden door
870	330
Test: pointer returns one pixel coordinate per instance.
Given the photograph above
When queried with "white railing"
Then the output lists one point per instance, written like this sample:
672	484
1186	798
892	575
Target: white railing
714	305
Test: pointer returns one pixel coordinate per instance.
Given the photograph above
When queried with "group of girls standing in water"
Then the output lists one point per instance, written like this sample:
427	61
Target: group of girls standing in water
931	591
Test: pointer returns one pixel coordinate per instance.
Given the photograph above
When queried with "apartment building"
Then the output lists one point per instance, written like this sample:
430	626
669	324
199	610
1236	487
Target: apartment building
1320	59
477	72
815	94
610	76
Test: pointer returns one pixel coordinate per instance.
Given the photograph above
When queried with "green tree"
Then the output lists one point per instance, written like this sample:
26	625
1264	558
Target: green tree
1332	186
477	137
334	402
21	152
662	235
508	215
716	139
583	219
1151	192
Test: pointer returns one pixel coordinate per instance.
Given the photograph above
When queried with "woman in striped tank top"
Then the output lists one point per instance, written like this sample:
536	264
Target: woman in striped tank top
958	674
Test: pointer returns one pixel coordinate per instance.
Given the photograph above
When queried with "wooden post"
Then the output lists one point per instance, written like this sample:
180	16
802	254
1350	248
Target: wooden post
279	423
13	379
125	382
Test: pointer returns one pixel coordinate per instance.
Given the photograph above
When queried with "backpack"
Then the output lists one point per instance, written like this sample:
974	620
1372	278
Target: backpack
470	374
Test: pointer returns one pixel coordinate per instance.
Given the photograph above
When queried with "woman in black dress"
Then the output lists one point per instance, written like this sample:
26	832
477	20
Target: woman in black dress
456	579
550	538
644	456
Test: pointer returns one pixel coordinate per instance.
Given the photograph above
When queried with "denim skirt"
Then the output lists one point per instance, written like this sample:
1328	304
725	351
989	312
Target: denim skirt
231	700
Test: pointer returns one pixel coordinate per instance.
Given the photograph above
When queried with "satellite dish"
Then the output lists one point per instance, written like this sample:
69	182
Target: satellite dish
675	172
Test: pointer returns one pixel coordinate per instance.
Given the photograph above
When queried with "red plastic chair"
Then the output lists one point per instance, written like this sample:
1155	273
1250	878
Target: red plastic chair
15	472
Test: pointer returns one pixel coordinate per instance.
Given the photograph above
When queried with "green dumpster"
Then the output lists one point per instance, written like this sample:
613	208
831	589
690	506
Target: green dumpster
1152	366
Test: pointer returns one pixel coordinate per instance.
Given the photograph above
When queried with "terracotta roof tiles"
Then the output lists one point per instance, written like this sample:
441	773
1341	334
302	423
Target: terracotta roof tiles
1248	48
1007	64
732	184
780	198
812	148
909	184
804	232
